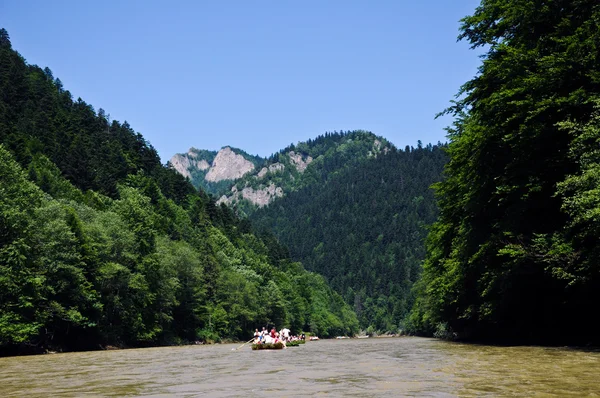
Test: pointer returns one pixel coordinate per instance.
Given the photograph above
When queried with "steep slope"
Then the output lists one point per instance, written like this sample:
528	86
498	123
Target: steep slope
353	208
515	254
362	227
302	165
212	171
101	244
193	160
258	189
248	188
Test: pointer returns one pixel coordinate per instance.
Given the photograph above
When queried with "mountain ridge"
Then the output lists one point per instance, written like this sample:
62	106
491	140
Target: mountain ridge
205	168
235	182
351	207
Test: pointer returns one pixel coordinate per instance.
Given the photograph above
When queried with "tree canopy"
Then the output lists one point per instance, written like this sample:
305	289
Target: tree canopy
360	220
101	245
513	256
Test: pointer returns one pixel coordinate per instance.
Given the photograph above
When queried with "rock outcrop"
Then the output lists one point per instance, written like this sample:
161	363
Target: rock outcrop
260	197
297	161
378	147
275	167
228	165
237	177
184	163
202	164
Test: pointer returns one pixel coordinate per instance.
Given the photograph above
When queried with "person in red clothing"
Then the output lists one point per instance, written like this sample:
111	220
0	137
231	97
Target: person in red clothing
273	333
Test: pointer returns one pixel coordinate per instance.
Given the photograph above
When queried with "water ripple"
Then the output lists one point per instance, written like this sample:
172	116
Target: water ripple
345	368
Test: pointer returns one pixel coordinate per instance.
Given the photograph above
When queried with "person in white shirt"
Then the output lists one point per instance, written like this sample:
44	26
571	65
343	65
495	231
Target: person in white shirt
256	336
285	334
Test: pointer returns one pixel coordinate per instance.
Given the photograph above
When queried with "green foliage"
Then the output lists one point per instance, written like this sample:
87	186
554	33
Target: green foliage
102	245
295	343
20	284
361	222
512	256
356	214
268	346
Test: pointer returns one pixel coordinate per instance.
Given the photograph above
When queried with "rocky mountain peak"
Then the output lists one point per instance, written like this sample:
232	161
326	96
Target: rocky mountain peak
238	178
228	165
183	163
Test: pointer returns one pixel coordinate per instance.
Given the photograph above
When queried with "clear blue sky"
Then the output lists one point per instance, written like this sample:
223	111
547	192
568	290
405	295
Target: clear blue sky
257	75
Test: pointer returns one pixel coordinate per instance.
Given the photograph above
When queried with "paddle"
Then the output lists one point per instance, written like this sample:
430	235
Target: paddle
234	349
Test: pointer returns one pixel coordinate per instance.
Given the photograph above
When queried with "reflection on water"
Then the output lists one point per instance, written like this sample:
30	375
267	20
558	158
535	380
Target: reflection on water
392	367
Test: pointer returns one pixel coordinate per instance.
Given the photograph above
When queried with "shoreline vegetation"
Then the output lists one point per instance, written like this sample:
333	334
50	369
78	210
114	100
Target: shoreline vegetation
514	255
101	245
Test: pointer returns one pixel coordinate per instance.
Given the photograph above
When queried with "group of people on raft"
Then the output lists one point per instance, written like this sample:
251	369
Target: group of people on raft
272	337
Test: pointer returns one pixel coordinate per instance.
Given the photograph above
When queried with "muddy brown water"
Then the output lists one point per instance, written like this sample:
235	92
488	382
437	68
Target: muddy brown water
390	367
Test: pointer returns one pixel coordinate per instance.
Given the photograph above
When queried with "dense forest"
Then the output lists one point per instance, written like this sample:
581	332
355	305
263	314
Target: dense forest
360	220
356	213
290	169
101	245
515	254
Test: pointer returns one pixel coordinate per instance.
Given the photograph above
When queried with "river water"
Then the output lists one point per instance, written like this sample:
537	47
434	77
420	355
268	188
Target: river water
386	367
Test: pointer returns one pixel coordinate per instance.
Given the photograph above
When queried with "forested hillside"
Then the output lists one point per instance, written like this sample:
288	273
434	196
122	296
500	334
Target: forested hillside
360	220
247	182
351	207
102	245
515	254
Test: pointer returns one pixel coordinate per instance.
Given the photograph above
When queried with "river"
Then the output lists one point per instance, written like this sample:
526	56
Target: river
386	367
